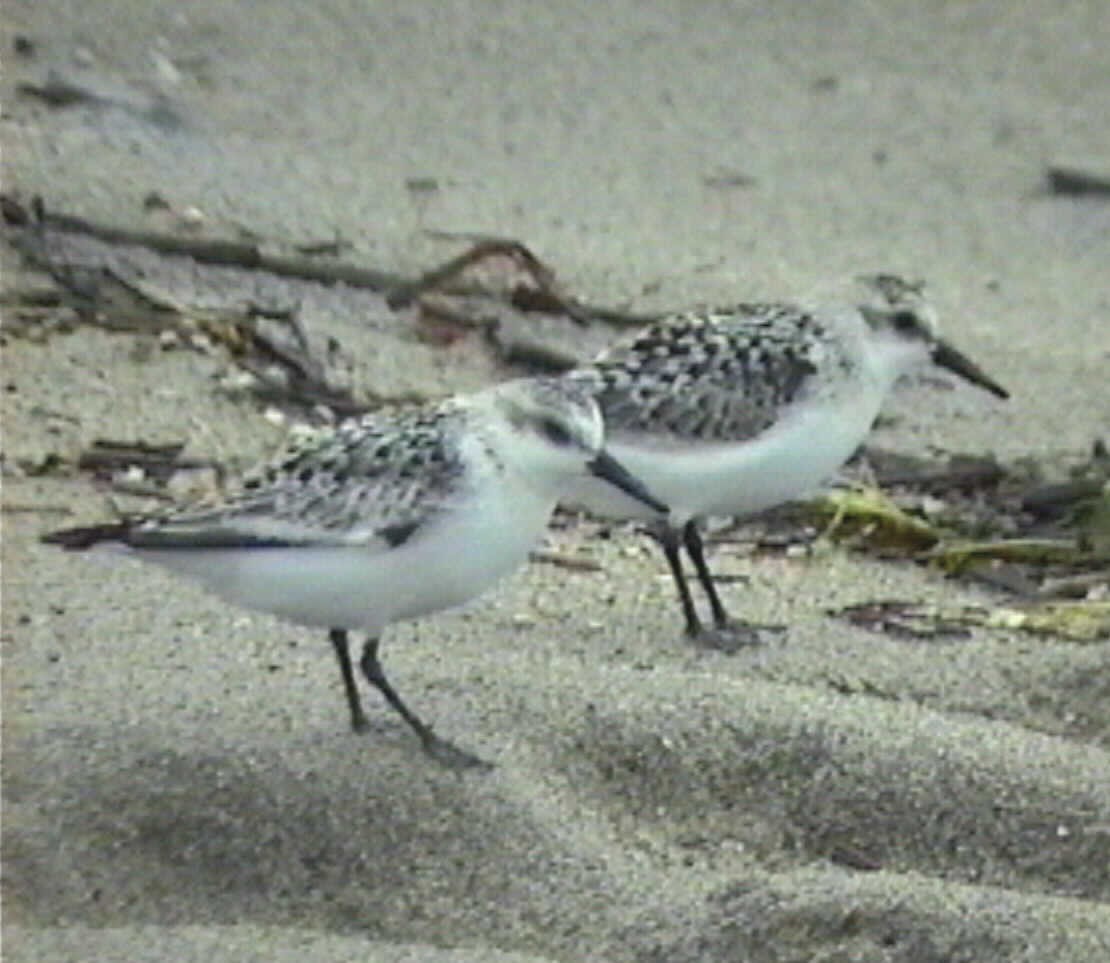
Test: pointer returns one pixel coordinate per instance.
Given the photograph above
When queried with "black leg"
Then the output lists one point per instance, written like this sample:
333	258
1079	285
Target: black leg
729	635
668	538
692	539
434	746
338	637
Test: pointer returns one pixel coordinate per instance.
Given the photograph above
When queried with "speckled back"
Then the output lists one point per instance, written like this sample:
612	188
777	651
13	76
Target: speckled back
722	375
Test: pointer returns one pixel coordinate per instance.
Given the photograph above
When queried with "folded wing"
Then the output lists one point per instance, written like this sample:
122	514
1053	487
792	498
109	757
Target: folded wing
374	483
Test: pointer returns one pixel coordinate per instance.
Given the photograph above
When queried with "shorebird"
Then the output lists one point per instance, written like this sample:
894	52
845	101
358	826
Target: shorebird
388	517
732	411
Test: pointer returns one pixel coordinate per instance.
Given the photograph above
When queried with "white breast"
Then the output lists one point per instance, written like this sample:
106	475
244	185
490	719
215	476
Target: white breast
789	460
459	556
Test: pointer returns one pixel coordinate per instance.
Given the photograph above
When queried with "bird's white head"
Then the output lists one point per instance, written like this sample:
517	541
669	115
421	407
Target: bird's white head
902	332
550	430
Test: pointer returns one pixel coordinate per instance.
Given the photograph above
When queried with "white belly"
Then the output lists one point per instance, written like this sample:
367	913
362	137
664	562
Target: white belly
456	559
790	460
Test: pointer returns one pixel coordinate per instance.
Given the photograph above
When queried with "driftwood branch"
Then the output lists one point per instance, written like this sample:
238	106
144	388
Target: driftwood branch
404	295
400	291
228	253
159	462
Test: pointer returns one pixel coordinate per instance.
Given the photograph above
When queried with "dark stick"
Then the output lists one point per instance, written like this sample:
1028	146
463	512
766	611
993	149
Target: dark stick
242	254
1074	182
961	474
229	253
405	294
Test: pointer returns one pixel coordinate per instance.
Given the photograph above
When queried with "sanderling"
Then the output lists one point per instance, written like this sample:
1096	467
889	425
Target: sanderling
732	411
385	518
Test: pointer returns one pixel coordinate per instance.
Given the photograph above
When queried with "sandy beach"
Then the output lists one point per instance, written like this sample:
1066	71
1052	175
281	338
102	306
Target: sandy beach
178	778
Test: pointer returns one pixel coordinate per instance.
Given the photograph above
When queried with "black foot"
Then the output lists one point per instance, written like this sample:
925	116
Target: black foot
731	637
449	755
435	747
440	749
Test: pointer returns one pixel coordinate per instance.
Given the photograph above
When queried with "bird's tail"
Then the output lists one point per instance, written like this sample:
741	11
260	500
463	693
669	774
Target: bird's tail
78	539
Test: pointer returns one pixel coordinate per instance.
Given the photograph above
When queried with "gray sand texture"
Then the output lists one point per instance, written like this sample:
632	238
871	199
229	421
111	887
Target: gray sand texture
178	779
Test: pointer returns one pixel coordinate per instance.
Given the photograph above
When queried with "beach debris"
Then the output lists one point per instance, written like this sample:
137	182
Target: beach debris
958	472
1030	531
956	556
867	515
1073	621
1043	545
19	508
267	342
854	857
24	45
159	462
151	470
1093	585
493	265
1057	498
330	248
903	619
422	185
499	270
187	219
47	464
59	92
566	560
445	321
145	469
271	344
533	356
728	180
489	288
1068	180
219	251
1080	621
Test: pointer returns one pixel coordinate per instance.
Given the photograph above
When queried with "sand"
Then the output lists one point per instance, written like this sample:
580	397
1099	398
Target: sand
178	779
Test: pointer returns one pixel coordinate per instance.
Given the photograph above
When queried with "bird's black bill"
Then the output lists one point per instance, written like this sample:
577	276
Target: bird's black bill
948	357
607	467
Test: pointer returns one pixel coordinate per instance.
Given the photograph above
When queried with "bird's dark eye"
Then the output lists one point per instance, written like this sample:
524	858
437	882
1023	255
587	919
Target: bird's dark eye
555	432
904	321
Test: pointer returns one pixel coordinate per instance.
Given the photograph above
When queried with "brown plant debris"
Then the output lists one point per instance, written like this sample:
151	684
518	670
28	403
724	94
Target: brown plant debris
158	462
497	268
905	620
1074	621
1006	527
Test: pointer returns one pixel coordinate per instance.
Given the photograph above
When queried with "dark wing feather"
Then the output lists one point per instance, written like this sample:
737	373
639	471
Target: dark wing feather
371	482
720	376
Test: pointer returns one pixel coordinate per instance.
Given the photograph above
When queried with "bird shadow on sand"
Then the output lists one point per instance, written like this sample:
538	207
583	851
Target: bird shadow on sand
127	832
859	825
